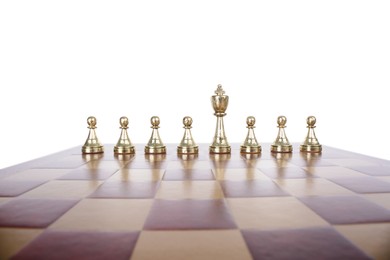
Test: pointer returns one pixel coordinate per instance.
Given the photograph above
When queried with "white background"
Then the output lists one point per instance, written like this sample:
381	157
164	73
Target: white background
62	61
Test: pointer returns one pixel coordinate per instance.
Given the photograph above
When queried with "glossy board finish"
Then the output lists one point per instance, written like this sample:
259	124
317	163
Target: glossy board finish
331	205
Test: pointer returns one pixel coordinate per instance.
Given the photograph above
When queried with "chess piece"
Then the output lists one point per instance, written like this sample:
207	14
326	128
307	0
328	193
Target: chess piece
311	144
220	102
92	144
124	145
155	144
187	144
281	144
250	144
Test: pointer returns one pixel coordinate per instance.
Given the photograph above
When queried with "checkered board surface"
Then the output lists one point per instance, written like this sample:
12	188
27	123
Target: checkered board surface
275	206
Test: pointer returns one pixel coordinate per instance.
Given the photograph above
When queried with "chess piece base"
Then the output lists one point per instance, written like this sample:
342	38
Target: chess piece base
187	150
250	149
124	150
311	148
220	149
281	148
155	150
92	149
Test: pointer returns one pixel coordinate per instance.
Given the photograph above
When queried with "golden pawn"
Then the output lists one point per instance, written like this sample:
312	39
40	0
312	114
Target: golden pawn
187	144
281	144
124	145
311	144
155	144
250	144
92	144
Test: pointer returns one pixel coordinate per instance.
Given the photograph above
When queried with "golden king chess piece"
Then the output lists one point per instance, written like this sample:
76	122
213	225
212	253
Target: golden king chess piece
155	144
220	102
187	144
281	144
311	144
250	144
92	144
124	145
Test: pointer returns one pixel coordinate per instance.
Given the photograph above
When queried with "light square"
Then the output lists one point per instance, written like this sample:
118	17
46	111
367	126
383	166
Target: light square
381	199
137	175
384	178
13	239
4	199
373	239
105	215
273	213
178	190
191	245
63	189
312	187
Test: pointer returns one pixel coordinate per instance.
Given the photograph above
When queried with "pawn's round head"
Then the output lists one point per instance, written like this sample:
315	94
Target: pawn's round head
91	121
311	121
124	121
155	120
187	121
250	120
282	120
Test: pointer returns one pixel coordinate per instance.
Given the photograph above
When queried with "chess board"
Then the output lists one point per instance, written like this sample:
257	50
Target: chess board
334	205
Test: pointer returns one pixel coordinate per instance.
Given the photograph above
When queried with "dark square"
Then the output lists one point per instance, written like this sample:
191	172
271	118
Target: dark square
229	161
335	153
188	174
286	173
310	160
363	184
69	162
313	243
145	164
88	174
80	245
347	209
251	188
189	214
119	189
378	170
9	188
233	164
113	164
34	213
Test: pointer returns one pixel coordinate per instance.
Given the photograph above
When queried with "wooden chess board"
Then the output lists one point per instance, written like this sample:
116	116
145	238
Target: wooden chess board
275	206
